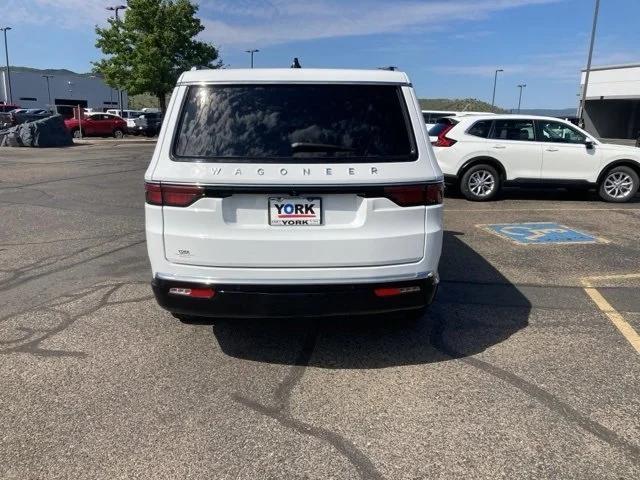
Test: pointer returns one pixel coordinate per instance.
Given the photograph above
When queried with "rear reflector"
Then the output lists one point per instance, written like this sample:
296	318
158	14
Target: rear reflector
172	195
193	292
392	292
413	195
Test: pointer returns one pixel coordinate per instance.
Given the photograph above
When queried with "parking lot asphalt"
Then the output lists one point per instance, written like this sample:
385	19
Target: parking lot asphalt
515	372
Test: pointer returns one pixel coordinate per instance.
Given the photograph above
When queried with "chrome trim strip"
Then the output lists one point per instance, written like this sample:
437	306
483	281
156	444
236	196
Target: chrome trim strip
336	281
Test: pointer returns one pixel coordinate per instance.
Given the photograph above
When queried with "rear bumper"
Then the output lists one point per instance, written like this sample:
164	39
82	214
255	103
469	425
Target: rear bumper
264	301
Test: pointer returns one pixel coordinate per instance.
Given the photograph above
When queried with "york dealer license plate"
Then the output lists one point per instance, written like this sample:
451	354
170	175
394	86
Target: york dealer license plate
295	211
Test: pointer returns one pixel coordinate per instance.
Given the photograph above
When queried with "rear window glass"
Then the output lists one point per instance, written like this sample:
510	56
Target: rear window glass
440	127
514	130
294	123
480	129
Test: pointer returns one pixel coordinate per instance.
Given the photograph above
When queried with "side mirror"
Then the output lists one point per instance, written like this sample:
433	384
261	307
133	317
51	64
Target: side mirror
589	144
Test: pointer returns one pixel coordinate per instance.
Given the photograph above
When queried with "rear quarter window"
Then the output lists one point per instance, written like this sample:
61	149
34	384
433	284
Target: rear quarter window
480	129
294	124
441	126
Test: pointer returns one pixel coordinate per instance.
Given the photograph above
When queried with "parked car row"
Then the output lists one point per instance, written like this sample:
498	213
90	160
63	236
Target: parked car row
480	154
109	124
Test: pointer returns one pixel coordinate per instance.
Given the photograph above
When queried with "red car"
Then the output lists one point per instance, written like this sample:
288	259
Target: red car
97	125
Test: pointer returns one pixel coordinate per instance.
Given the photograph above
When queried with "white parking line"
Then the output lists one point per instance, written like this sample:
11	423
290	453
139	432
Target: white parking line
471	210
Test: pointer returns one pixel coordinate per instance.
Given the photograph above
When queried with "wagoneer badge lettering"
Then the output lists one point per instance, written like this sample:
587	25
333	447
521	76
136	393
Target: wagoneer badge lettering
326	171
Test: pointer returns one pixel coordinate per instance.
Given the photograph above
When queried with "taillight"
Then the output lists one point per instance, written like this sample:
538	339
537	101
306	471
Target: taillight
413	195
394	291
172	195
180	195
442	140
153	193
193	292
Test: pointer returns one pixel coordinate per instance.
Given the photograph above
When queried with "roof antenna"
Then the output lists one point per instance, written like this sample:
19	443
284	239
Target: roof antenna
296	63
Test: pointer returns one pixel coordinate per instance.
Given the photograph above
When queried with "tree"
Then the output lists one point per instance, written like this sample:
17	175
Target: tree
154	43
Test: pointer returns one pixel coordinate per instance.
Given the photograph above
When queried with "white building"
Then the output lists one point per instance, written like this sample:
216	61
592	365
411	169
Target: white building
612	108
29	89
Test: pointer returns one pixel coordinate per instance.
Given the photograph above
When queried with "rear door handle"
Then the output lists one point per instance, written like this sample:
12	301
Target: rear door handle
499	146
552	149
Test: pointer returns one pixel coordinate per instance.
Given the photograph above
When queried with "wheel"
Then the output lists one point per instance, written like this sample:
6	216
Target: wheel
619	185
118	133
480	183
76	133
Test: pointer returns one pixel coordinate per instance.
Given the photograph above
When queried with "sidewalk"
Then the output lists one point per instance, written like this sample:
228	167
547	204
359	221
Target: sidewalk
115	141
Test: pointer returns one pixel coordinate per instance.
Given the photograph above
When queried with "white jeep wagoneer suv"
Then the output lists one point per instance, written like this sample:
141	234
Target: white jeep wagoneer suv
293	192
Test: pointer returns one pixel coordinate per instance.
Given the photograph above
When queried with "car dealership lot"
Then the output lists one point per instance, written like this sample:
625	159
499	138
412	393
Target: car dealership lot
515	372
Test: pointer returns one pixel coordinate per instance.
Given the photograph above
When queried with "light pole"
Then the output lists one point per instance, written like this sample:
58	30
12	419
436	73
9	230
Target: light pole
47	77
251	52
7	95
521	86
583	100
115	9
495	80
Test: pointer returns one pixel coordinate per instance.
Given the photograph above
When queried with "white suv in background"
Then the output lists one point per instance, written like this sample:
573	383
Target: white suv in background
431	117
482	154
129	116
293	192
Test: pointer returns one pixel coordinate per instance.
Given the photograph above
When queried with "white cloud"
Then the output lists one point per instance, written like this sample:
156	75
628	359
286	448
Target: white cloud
266	22
55	13
286	21
562	67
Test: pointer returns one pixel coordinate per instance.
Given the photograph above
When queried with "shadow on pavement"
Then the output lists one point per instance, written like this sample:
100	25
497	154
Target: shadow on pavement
476	308
537	194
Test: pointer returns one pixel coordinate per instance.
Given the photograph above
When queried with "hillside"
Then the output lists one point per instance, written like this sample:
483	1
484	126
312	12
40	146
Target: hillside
550	112
49	71
458	105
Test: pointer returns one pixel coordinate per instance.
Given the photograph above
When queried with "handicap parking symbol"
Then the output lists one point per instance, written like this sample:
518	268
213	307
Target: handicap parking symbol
540	233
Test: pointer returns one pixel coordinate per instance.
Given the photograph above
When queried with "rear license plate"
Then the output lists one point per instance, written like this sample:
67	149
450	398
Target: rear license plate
295	211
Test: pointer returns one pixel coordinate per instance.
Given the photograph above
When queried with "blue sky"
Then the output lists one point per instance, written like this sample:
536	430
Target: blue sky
449	48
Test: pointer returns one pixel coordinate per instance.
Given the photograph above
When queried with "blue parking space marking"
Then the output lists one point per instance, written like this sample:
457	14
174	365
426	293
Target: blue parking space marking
540	233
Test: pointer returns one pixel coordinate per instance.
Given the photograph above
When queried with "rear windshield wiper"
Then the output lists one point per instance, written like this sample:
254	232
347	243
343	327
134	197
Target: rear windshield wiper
319	147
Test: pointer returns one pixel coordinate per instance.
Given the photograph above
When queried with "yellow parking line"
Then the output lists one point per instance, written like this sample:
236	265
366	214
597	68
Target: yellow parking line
620	323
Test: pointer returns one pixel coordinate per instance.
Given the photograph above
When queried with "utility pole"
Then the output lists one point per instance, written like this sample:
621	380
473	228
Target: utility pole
8	94
47	77
521	86
251	52
583	100
495	80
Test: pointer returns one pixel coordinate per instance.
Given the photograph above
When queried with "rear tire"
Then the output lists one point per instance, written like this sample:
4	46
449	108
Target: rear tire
76	134
480	183
620	184
118	133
